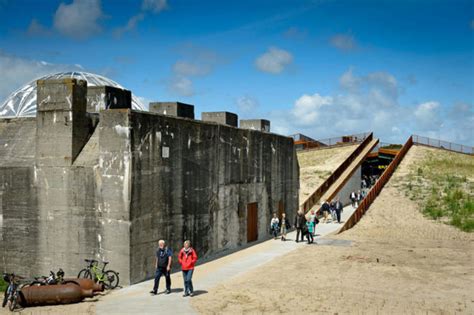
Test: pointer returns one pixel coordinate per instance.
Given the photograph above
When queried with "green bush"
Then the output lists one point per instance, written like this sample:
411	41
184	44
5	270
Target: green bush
3	285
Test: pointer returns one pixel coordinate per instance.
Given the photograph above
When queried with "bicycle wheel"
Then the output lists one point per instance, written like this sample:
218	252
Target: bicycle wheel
85	274
5	298
13	301
111	280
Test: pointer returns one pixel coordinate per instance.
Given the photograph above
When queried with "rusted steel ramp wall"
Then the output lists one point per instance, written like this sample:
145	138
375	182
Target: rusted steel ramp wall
375	190
341	175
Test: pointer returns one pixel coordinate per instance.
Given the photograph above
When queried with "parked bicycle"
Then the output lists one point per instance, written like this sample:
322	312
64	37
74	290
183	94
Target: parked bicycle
12	292
109	278
53	278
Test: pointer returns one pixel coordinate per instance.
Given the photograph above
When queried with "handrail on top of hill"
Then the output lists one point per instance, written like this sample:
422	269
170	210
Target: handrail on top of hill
445	145
377	187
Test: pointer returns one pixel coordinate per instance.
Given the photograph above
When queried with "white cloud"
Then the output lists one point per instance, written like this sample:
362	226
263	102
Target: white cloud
37	29
247	104
80	19
427	116
194	62
130	26
344	42
371	103
17	71
274	60
187	68
181	86
308	107
154	6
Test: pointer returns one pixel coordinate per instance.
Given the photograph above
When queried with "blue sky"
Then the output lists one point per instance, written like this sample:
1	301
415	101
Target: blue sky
322	68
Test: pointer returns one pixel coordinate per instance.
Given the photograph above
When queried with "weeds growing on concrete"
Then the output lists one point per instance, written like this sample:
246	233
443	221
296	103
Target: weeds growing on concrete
443	184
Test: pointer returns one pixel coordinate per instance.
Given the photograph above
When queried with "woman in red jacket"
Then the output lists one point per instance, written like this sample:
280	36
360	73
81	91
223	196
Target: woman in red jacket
187	257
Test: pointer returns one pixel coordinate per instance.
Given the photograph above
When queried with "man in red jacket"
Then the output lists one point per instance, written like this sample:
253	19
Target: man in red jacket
187	257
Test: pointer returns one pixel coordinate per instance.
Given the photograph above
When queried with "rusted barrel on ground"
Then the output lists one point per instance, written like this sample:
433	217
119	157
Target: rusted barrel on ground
87	284
53	294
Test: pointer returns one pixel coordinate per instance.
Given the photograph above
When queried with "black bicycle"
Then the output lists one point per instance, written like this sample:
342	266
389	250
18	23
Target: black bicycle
109	278
13	290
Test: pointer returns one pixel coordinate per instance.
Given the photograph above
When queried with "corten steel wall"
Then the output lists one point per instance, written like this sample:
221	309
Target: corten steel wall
193	180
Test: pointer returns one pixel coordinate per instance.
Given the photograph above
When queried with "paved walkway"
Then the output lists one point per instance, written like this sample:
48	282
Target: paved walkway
137	300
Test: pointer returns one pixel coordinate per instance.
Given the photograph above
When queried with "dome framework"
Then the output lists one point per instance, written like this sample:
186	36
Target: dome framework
22	102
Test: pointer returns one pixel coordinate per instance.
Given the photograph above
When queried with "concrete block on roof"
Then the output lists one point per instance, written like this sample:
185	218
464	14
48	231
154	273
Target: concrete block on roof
107	97
225	118
255	124
176	109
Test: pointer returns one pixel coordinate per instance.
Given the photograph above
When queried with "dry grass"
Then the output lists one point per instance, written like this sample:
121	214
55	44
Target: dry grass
317	165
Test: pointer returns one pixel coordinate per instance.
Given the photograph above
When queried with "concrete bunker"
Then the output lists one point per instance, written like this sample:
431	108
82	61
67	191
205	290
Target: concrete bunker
77	184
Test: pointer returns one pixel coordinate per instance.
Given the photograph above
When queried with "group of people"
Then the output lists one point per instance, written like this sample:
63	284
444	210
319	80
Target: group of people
305	226
333	209
187	258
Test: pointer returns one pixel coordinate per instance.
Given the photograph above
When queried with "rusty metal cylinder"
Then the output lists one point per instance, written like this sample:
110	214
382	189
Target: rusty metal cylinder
54	294
87	284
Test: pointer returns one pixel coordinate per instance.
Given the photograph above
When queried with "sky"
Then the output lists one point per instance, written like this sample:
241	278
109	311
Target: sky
322	68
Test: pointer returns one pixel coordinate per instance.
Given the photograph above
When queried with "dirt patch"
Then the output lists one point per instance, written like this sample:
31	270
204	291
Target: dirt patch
400	262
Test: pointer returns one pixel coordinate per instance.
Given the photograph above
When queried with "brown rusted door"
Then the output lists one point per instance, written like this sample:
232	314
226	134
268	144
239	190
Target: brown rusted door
252	222
281	208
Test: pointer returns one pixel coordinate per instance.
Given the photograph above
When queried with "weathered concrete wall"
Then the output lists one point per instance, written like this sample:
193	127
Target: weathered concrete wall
72	189
192	180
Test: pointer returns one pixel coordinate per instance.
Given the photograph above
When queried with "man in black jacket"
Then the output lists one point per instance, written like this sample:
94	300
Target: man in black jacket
162	267
300	221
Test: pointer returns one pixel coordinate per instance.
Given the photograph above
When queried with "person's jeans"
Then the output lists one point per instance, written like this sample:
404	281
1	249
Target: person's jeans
310	238
188	283
338	214
162	272
275	232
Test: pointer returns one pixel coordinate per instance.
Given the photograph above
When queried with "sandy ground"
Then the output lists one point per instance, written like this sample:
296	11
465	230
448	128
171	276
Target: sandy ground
86	307
317	165
399	263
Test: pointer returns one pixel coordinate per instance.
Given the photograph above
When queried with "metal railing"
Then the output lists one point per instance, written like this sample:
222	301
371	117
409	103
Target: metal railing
321	190
377	187
329	143
446	145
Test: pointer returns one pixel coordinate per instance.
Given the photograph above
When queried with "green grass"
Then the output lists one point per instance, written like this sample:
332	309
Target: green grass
443	185
3	285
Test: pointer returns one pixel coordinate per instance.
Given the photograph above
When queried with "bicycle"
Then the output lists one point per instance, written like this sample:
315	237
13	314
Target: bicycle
57	278
13	290
109	278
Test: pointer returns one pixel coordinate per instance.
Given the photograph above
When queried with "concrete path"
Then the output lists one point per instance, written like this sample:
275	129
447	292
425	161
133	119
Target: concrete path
136	299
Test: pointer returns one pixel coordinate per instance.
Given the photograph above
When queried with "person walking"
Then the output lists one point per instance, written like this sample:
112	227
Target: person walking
274	226
284	226
358	198
187	258
353	198
309	230
338	208
332	208
162	266
313	219
300	221
325	208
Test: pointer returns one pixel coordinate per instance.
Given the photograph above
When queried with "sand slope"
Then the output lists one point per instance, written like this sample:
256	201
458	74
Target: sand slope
317	165
399	263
